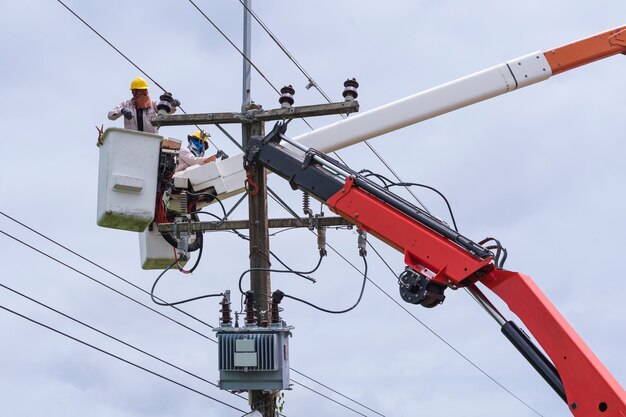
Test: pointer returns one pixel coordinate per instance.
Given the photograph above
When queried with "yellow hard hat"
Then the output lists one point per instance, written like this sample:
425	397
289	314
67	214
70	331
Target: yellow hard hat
138	83
198	142
200	135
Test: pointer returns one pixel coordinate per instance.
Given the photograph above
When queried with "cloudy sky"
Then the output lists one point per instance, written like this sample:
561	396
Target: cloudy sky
541	169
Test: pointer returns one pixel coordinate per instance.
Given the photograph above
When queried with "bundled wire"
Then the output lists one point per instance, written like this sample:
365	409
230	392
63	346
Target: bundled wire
387	183
501	252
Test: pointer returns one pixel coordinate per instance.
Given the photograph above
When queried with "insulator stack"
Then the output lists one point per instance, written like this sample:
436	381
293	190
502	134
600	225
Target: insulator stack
250	319
227	319
306	204
166	104
321	240
362	242
277	297
286	97
349	91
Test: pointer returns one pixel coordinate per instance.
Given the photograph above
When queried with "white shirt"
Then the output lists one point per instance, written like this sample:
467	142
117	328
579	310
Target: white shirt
186	159
147	115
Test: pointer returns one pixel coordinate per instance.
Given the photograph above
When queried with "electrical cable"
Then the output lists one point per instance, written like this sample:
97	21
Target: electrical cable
113	289
365	279
430	329
112	337
163	303
277	271
120	358
233	45
242	54
338	393
330	399
127	59
117	276
388	184
312	83
124	280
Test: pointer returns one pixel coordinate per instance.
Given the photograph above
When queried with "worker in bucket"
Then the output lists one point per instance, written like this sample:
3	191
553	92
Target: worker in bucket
193	154
139	110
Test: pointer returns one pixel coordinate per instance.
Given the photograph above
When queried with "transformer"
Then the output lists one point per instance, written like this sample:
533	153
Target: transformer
254	358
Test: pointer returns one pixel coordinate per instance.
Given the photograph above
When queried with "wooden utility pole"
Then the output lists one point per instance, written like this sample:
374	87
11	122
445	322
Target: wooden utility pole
262	401
252	119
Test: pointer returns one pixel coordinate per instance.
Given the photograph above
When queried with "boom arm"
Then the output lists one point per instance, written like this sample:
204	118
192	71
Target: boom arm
439	257
491	82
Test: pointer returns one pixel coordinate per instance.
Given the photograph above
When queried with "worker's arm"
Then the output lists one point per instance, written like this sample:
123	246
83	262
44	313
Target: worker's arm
117	111
187	159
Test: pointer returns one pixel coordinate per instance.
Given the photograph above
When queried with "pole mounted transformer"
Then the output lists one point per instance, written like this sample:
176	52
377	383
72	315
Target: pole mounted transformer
252	357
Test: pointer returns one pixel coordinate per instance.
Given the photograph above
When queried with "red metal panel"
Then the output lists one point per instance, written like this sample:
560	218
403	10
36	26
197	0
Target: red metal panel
589	386
422	247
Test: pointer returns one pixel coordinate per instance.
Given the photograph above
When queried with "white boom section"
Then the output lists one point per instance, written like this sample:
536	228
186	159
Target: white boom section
227	177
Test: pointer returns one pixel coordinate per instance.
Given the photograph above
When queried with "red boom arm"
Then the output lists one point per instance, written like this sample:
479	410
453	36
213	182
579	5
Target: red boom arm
590	389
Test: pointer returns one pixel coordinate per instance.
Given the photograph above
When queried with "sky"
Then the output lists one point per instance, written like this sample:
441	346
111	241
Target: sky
540	168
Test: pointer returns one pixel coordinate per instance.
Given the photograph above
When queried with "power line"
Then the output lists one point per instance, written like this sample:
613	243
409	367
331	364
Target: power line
328	398
129	60
338	393
107	286
241	53
120	358
312	83
118	292
430	329
233	45
67	316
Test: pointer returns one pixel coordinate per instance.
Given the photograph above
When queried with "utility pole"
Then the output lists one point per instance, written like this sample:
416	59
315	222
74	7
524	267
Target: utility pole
253	118
260	285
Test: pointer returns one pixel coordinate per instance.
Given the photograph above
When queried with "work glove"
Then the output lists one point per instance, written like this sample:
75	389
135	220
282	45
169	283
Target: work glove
221	155
175	103
127	114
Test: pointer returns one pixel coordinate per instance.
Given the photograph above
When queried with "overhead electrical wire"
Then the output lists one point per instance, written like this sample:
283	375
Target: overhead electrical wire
325	310
128	282
338	393
98	281
120	358
240	52
130	61
335	401
67	316
200	334
430	329
312	83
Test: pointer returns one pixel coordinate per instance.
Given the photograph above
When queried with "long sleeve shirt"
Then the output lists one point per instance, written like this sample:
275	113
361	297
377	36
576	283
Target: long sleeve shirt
186	159
141	119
